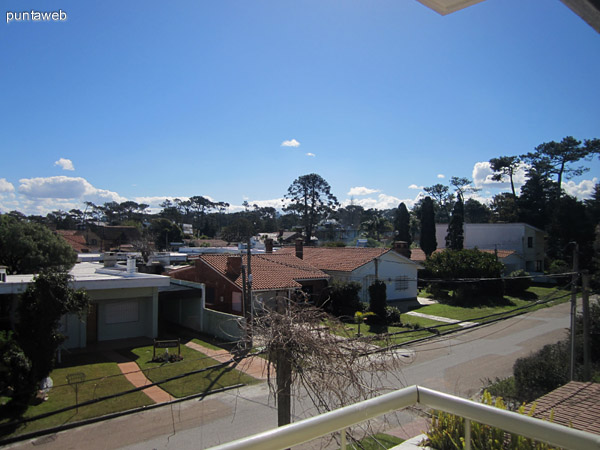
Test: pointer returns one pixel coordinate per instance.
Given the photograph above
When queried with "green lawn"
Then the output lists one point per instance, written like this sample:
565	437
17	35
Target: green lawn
376	442
192	361
103	378
460	313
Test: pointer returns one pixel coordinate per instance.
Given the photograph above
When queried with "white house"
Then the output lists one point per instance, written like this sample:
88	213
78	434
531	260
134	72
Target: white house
365	265
525	240
124	303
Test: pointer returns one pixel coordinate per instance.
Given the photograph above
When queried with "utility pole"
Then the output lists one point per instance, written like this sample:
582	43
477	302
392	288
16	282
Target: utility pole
248	295
585	283
574	279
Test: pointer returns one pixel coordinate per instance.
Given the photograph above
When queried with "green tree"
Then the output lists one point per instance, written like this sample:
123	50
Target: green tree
378	298
443	200
239	231
505	166
310	196
557	158
165	231
29	247
456	235
402	224
45	301
462	186
450	267
476	212
504	208
428	241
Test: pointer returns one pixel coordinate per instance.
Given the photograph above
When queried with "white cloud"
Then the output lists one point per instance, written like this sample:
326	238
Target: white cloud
290	143
62	187
361	190
583	190
414	186
310	154
66	164
441	175
382	201
6	186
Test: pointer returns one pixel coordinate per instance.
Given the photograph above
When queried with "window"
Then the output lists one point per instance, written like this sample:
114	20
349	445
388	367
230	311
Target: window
401	283
122	312
530	242
538	266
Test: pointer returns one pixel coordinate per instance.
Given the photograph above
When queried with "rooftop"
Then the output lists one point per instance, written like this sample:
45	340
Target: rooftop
576	405
341	259
269	271
91	276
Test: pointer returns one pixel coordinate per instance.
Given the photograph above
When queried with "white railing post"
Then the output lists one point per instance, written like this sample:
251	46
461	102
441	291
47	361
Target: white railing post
343	439
467	434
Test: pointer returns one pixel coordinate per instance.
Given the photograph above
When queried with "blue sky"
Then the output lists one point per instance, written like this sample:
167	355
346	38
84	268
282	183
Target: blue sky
146	100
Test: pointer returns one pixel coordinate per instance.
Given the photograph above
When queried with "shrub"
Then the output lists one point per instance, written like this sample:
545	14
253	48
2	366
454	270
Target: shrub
344	300
559	266
542	371
392	315
378	298
447	432
517	282
334	244
453	265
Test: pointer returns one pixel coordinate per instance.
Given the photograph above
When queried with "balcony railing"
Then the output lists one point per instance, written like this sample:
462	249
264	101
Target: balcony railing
340	419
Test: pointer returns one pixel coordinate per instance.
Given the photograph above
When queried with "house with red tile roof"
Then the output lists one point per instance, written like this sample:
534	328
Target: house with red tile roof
81	241
365	265
273	275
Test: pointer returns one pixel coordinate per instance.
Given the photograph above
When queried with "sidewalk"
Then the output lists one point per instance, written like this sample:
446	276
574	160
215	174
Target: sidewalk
255	366
441	319
136	377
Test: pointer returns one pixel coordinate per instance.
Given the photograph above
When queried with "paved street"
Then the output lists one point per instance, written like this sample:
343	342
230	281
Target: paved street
457	364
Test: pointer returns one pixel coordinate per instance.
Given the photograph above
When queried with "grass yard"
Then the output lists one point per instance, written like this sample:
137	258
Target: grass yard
192	361
376	442
460	313
103	378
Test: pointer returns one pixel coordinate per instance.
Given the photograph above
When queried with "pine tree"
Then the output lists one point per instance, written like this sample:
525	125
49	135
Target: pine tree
428	241
455	237
402	224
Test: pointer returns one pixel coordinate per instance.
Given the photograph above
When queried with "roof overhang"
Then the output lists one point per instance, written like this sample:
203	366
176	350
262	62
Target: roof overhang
588	10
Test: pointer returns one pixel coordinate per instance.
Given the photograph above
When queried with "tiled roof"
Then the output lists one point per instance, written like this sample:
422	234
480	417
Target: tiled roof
418	255
576	404
75	239
342	259
270	271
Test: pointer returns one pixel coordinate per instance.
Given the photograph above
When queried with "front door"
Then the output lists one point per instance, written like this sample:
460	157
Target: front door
92	324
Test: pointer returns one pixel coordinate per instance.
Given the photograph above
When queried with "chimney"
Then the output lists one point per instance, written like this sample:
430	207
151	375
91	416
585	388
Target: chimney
268	245
2	274
131	264
402	248
299	248
110	259
234	266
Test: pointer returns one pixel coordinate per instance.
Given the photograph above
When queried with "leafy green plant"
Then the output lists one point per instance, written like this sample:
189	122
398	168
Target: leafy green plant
447	432
392	315
360	317
517	282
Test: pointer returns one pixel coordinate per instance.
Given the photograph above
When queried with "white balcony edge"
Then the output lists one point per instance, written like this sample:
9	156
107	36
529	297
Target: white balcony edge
314	427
